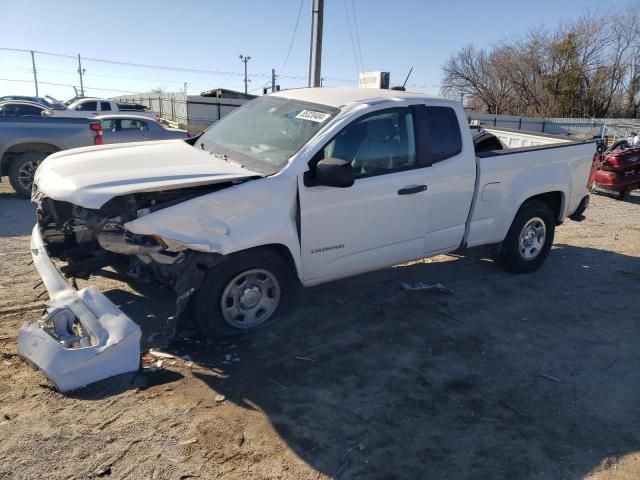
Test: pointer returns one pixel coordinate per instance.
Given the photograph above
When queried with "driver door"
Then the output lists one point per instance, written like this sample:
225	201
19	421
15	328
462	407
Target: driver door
374	223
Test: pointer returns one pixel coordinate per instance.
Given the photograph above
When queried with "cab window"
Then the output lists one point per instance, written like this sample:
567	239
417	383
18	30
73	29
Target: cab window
377	144
88	107
438	133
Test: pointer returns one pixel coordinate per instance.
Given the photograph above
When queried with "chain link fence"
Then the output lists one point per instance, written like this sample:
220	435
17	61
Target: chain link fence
613	128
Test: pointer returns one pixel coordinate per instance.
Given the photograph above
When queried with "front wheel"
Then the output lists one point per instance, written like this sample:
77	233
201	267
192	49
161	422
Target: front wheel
529	239
22	171
242	293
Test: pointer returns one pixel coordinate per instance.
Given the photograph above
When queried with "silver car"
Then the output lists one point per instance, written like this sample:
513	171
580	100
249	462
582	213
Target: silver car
136	128
20	108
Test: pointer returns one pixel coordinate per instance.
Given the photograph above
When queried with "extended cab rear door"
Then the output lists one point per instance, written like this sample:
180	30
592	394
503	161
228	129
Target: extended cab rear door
449	155
377	222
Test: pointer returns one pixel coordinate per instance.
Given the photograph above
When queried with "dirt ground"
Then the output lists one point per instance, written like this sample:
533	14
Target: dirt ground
533	376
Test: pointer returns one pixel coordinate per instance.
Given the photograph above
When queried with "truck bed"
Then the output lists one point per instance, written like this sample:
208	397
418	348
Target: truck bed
526	162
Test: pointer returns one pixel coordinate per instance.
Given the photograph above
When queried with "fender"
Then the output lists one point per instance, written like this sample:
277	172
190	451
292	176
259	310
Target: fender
253	214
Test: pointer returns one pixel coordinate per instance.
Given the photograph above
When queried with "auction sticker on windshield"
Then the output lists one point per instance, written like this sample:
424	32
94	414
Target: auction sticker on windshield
313	116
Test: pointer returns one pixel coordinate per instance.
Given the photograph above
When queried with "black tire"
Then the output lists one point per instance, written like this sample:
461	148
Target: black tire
22	171
207	303
624	195
518	260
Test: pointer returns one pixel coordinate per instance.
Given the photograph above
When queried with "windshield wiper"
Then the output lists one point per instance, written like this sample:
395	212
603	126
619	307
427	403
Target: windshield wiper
226	158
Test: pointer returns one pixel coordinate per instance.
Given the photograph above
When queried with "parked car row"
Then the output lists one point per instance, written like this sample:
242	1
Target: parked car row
31	128
47	102
95	106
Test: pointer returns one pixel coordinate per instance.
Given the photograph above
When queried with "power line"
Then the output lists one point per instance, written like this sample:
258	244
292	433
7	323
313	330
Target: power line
66	85
355	23
68	72
293	37
189	70
143	65
353	45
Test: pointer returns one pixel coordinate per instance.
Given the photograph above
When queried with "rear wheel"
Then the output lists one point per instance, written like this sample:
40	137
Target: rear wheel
624	195
529	239
242	293
22	171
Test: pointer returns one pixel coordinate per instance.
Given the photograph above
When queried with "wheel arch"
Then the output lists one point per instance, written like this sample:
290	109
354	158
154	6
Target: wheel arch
279	249
10	153
555	200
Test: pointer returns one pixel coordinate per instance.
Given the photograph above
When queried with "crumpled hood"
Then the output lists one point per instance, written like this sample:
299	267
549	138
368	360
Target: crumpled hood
91	176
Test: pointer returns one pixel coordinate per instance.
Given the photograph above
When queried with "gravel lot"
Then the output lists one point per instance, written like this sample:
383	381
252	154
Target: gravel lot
533	376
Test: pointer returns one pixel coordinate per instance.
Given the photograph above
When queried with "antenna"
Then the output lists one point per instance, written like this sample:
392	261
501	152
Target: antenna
407	79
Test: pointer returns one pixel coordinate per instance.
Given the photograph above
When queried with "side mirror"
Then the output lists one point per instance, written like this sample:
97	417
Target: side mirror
334	172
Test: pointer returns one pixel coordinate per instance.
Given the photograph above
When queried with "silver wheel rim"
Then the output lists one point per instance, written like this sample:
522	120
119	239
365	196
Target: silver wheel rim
250	298
532	238
26	173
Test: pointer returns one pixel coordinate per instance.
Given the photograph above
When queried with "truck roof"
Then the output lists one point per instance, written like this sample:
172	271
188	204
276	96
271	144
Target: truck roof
338	97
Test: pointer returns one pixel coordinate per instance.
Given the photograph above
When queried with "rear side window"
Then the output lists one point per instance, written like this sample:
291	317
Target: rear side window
88	107
105	106
109	125
438	133
8	110
134	125
29	110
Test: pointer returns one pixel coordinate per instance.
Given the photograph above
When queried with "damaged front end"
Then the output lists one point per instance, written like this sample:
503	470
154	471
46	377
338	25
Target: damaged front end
84	337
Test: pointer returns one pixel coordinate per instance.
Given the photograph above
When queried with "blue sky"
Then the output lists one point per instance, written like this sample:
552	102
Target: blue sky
394	35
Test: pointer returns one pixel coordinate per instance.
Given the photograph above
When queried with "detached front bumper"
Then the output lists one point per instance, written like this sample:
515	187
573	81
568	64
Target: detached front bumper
83	337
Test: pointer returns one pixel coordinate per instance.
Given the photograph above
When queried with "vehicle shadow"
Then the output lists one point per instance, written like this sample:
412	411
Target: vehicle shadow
531	376
17	215
511	376
634	197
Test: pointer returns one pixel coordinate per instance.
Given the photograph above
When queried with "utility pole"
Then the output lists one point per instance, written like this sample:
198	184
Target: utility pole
313	20
35	76
185	88
81	73
315	46
318	51
245	59
273	80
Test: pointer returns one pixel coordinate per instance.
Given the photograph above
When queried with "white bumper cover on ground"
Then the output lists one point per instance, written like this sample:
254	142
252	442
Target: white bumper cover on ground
83	337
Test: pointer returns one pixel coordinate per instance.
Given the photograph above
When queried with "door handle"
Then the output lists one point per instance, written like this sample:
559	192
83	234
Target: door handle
412	189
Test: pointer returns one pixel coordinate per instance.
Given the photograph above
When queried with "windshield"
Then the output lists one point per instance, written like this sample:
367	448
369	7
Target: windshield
266	132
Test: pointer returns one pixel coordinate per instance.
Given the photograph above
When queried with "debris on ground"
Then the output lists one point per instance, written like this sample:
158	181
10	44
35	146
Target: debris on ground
151	364
220	398
188	442
159	354
436	287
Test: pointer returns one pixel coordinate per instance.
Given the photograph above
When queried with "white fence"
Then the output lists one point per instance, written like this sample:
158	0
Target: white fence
170	106
192	110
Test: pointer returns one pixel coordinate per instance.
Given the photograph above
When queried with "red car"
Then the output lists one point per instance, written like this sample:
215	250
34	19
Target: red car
617	169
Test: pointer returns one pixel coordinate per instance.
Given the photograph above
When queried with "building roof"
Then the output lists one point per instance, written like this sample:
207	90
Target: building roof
226	93
339	97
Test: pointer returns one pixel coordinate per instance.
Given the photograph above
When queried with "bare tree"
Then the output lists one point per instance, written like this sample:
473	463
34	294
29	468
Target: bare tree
587	67
478	74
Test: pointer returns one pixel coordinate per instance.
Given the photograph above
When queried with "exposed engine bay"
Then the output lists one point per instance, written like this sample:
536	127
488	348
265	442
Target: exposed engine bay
90	239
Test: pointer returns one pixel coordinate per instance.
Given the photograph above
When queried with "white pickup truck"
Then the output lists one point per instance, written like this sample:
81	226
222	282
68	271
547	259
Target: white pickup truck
302	186
89	107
